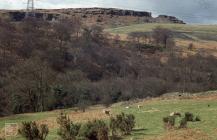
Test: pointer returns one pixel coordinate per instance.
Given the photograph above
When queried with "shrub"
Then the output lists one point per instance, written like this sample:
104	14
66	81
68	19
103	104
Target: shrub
31	131
123	123
161	35
67	130
169	122
191	46
113	126
2	138
94	130
197	119
189	116
183	123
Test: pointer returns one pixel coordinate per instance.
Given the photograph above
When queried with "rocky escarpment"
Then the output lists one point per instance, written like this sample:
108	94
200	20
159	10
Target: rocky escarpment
107	11
103	16
18	16
165	18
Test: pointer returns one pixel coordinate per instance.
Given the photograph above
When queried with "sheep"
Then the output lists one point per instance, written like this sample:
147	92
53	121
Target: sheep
107	112
175	114
127	107
172	114
139	106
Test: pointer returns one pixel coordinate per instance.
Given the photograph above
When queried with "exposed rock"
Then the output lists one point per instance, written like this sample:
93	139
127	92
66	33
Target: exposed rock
165	18
103	16
116	12
18	16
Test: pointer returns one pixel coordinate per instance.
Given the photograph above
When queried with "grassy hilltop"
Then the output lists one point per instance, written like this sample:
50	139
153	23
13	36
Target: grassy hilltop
208	30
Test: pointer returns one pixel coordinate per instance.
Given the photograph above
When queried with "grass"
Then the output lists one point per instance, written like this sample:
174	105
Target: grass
185	31
204	37
149	123
25	117
210	29
149	118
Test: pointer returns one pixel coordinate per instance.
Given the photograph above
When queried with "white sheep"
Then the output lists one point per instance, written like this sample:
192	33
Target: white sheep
139	106
175	114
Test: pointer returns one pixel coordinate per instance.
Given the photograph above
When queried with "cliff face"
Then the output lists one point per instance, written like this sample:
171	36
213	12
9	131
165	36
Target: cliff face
19	16
108	11
102	16
165	18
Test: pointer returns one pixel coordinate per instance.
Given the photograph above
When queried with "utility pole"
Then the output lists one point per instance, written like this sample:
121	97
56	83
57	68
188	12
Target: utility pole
30	10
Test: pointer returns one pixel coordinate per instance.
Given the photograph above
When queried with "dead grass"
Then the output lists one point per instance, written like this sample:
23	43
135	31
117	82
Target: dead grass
205	96
187	134
79	117
206	46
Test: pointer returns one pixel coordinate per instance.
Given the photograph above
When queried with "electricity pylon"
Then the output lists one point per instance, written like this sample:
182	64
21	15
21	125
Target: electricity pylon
30	10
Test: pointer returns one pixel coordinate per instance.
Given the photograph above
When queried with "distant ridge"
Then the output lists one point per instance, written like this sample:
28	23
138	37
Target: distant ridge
103	16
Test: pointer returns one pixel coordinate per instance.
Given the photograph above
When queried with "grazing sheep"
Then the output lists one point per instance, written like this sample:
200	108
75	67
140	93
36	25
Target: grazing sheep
127	107
139	106
172	114
175	114
107	112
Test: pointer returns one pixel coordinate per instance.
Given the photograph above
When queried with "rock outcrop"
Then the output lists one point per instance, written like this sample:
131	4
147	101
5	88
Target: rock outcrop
165	18
110	11
103	16
18	16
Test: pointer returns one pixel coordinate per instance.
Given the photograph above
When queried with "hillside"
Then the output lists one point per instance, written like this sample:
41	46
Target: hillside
204	37
149	125
80	61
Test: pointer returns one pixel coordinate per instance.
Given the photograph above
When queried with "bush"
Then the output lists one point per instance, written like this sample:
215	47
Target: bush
197	119
169	122
189	116
191	46
67	130
183	123
31	131
94	130
123	123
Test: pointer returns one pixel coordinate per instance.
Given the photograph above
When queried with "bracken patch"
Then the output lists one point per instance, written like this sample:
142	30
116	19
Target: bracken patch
186	134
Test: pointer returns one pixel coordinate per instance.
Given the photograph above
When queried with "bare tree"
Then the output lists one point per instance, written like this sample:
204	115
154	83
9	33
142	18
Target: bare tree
30	85
7	40
139	38
161	36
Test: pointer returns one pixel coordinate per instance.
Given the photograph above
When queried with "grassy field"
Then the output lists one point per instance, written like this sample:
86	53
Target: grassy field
204	37
181	31
149	123
183	28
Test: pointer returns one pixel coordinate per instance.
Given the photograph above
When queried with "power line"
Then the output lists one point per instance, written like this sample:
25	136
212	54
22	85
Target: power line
30	10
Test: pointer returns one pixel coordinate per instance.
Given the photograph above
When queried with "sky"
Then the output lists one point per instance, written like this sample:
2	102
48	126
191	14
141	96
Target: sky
191	11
